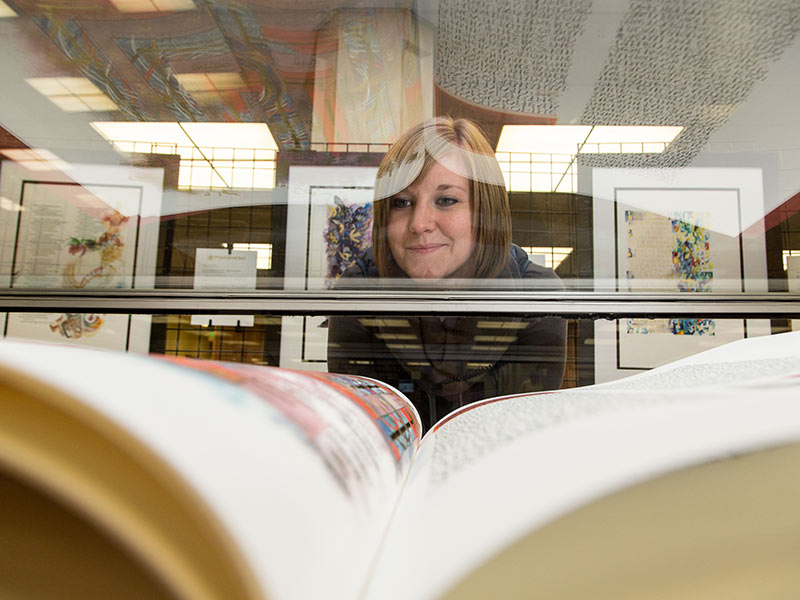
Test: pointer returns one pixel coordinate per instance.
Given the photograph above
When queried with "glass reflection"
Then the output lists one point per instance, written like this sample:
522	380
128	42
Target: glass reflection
239	124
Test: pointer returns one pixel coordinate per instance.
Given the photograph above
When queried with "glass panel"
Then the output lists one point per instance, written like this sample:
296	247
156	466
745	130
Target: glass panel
159	145
440	362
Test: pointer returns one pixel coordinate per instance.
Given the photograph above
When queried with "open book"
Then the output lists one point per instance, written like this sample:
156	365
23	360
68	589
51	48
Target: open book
123	476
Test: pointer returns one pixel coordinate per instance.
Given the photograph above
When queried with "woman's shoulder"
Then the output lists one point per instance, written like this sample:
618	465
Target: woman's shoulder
530	270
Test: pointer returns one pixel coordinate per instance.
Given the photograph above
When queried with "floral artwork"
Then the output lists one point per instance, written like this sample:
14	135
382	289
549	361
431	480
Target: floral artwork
75	326
348	233
96	259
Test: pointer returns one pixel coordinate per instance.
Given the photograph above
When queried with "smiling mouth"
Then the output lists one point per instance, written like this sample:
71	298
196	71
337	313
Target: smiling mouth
425	248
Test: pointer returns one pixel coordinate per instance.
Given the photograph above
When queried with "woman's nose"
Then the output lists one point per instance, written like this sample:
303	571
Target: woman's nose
422	218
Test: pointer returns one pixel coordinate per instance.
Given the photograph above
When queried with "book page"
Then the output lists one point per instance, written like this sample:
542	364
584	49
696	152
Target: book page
495	471
300	471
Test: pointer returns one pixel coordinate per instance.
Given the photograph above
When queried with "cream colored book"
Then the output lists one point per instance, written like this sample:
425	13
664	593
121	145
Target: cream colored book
123	476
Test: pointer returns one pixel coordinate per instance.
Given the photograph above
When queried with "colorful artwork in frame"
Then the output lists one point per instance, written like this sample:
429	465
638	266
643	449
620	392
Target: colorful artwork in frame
676	232
348	233
340	230
82	231
673	247
332	207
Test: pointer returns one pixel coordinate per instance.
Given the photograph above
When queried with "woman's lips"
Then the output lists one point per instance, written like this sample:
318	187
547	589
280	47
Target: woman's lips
424	248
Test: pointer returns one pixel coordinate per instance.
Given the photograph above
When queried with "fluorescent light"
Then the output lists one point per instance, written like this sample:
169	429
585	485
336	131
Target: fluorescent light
210	88
231	135
5	10
155	133
72	94
209	82
545	139
541	158
615	134
200	135
499	339
501	325
396	336
567	139
630	138
132	6
213	155
378	322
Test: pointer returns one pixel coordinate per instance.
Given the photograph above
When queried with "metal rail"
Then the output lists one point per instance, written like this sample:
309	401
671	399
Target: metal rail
417	302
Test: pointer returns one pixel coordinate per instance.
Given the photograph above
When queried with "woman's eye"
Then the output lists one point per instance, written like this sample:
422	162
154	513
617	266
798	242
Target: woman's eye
401	202
447	201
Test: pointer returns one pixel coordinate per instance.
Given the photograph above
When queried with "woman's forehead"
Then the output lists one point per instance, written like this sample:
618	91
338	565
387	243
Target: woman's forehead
452	162
447	170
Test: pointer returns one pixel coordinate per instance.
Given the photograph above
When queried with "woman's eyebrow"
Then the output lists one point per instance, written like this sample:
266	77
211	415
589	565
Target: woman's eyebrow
445	186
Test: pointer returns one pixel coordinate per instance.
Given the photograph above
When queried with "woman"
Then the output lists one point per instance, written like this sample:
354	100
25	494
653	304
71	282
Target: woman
441	216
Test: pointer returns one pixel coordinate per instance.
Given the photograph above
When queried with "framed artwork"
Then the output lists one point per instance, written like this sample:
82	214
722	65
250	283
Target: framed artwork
339	231
676	231
88	227
677	250
329	225
73	237
109	331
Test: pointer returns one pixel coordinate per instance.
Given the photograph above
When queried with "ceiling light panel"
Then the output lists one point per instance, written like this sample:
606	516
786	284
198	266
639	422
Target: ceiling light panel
541	158
5	11
231	135
137	6
131	131
210	88
545	139
213	155
210	82
73	94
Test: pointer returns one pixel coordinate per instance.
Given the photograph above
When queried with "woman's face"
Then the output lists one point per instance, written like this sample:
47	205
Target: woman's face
430	224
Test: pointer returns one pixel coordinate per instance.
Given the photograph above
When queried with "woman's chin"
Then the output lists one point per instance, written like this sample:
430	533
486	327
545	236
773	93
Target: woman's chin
428	276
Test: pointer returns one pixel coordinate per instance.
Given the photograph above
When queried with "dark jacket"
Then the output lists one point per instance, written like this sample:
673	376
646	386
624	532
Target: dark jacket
443	364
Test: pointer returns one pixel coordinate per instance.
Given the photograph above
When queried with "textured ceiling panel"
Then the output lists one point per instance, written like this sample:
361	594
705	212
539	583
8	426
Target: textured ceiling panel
686	63
511	55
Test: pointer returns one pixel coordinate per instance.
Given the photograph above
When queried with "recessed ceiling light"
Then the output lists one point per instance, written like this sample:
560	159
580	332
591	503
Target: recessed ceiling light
541	158
5	10
73	94
570	139
204	135
213	155
134	6
210	88
210	82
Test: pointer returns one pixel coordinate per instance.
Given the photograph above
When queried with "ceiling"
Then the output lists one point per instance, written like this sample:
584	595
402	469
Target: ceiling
723	69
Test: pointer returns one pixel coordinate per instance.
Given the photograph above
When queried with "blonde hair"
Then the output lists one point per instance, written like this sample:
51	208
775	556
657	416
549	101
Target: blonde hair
412	156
